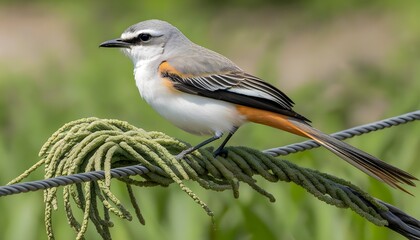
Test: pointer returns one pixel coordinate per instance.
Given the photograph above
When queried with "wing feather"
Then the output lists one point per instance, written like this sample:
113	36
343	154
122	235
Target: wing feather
236	87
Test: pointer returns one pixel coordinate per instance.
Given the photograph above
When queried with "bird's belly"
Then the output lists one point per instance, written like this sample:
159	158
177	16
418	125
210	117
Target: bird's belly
194	114
198	115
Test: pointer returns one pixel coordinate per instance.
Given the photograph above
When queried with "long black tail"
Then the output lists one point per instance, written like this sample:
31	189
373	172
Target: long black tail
367	163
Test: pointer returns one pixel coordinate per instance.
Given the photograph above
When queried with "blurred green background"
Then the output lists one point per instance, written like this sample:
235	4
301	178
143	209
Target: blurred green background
344	63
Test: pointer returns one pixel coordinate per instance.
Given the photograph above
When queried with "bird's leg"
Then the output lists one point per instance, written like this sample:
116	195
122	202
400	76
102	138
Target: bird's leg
182	154
220	151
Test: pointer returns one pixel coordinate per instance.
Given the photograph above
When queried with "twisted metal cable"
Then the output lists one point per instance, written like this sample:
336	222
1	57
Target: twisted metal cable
345	134
92	144
71	179
139	170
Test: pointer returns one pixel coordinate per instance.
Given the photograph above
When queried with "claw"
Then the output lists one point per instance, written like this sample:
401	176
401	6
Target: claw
221	152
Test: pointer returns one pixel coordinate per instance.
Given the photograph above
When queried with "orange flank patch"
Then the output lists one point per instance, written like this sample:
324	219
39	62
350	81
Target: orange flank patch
165	67
271	119
169	84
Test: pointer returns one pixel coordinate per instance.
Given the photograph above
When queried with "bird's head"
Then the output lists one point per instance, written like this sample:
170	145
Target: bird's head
147	40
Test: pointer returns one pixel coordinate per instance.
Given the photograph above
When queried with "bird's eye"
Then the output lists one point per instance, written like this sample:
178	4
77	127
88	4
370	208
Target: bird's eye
144	37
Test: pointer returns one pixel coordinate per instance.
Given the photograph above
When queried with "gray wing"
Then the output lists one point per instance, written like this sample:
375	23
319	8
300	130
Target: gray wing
240	83
239	88
196	75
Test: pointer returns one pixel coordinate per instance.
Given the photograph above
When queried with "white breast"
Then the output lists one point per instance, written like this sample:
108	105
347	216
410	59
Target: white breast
194	114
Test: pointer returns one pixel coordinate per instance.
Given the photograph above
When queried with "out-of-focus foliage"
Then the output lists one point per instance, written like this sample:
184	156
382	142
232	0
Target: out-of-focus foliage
343	62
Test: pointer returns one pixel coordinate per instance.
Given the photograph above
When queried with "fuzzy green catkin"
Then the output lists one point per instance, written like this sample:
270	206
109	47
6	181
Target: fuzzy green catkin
101	144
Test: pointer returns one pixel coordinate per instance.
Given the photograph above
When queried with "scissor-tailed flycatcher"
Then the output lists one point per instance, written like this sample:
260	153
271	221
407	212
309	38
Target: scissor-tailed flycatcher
203	92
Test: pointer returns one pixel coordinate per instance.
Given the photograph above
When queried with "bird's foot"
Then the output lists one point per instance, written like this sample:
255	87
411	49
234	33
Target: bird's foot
222	152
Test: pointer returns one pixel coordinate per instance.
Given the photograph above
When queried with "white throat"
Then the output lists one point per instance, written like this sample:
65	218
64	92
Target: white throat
146	60
143	54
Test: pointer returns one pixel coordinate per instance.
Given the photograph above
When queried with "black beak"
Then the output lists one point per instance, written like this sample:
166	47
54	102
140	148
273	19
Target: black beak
115	43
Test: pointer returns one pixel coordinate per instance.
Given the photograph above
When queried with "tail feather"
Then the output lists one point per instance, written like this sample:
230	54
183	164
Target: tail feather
367	163
362	160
